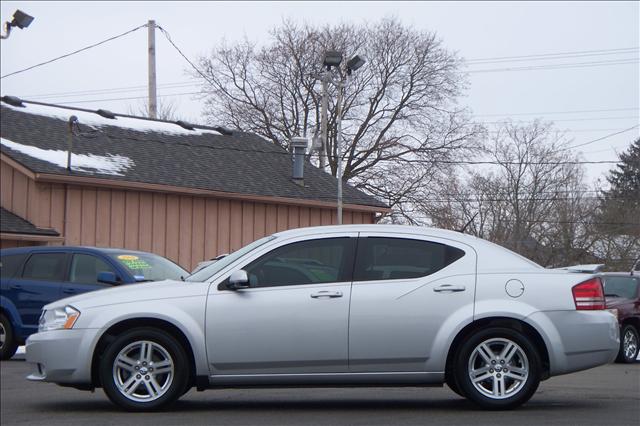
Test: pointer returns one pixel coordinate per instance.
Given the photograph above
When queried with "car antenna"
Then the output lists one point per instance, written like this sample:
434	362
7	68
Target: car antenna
467	224
635	266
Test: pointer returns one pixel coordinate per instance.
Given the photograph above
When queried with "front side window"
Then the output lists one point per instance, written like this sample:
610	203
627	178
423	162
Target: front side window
45	267
306	262
381	258
85	269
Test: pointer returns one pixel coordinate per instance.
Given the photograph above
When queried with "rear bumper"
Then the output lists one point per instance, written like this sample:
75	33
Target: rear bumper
61	356
578	340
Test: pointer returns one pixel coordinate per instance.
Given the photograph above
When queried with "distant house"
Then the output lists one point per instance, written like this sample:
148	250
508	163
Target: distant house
183	191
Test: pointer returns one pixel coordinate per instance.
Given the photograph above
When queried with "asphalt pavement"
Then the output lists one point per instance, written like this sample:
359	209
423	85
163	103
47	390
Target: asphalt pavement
608	395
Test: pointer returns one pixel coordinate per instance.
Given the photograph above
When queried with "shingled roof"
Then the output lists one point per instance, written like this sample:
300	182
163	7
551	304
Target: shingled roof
13	224
136	149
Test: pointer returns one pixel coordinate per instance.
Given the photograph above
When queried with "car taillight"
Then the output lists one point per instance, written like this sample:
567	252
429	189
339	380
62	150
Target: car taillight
588	295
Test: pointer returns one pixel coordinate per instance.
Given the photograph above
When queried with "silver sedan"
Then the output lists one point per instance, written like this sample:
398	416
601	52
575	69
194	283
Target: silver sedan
349	305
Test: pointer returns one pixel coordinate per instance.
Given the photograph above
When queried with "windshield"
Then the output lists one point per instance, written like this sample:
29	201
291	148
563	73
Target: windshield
211	270
626	287
149	267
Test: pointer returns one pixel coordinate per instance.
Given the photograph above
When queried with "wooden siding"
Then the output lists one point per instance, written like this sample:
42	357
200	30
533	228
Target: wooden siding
185	228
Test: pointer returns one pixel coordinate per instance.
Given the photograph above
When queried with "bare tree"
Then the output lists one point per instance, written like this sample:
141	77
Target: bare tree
166	110
531	199
399	112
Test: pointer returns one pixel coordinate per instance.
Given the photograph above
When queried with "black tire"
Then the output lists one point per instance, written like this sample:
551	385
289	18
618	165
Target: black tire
175	386
628	339
9	347
525	358
454	387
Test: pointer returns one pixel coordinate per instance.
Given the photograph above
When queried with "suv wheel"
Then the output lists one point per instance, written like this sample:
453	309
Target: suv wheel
628	345
8	344
144	369
498	368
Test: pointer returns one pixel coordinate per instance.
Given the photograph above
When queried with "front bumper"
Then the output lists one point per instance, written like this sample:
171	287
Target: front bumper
61	356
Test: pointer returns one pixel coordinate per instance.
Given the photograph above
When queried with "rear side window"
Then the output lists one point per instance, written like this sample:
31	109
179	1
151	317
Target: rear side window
626	287
85	269
380	258
45	266
10	264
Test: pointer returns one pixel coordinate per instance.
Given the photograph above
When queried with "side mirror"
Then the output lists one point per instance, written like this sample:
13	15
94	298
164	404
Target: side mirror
108	277
238	279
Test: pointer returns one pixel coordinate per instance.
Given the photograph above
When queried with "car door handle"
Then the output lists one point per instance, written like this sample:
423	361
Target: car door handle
327	294
449	288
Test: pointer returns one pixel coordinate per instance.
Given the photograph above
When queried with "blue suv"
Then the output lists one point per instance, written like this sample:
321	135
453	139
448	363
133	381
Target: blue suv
31	277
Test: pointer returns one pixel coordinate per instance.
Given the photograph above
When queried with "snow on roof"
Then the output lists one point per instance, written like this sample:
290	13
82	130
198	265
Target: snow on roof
93	119
89	163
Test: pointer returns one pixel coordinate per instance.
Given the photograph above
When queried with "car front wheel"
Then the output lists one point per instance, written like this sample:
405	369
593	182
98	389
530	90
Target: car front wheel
8	344
498	368
628	345
144	369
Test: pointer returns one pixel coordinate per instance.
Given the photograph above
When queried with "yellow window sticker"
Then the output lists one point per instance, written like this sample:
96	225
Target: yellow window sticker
127	257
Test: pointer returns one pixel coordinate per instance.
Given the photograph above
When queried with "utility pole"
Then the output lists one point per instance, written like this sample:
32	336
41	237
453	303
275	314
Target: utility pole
326	75
338	146
153	100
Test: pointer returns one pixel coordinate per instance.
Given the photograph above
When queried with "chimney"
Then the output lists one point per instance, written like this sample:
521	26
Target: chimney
299	146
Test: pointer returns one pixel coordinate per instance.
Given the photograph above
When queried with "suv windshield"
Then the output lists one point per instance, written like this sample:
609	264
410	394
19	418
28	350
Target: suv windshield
149	267
209	271
626	287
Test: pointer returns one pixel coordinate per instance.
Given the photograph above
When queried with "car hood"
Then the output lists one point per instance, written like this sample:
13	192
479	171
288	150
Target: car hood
132	293
612	302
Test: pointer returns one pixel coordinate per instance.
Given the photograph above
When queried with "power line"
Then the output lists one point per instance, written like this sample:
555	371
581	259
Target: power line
571	119
599	139
168	37
549	58
559	112
558	66
555	54
74	52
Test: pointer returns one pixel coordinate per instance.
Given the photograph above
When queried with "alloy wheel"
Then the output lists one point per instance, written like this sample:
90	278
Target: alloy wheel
630	344
143	371
498	368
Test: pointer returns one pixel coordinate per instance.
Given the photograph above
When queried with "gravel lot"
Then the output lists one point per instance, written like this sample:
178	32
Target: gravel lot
608	395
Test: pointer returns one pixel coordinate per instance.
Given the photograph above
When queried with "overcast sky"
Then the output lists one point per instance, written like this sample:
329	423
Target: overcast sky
590	100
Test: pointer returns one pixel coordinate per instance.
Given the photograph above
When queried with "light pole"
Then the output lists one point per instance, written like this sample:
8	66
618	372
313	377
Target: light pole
20	20
333	58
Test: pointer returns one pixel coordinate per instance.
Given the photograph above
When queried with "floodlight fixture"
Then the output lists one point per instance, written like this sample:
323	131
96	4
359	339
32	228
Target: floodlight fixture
21	19
332	58
355	63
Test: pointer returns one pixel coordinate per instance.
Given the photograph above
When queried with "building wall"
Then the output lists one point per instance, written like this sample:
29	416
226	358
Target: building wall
4	244
186	229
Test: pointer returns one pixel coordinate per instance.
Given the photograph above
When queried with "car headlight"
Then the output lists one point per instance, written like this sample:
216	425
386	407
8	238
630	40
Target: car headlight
58	318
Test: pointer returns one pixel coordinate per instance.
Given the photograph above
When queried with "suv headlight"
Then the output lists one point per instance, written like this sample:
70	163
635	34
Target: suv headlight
58	318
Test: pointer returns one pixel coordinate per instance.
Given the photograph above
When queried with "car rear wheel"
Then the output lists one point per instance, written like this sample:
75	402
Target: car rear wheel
144	369
628	345
498	368
8	343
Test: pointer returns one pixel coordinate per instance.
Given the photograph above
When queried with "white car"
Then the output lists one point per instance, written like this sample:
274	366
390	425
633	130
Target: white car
345	305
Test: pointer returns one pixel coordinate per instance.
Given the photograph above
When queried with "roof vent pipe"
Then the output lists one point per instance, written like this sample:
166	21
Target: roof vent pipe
72	120
299	146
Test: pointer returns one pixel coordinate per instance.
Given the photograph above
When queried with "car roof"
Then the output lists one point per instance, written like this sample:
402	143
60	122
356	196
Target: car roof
64	249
